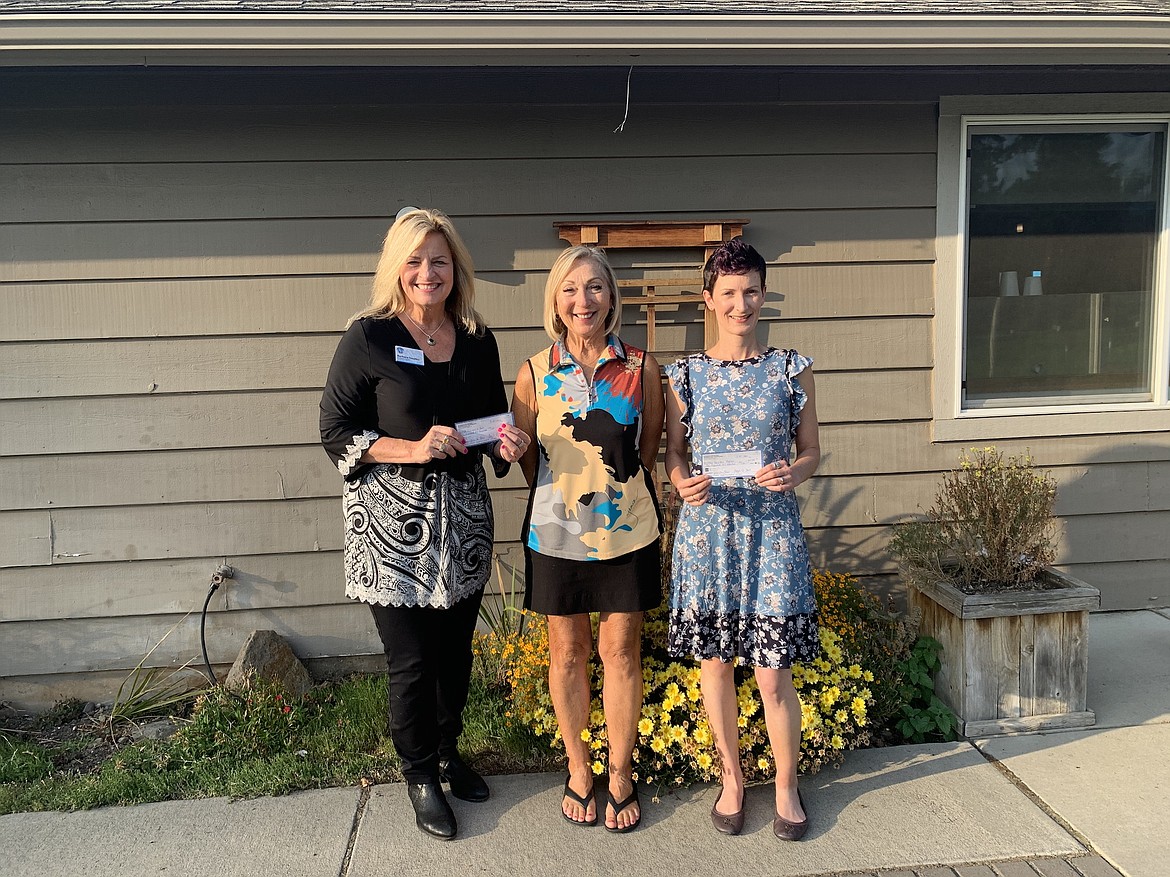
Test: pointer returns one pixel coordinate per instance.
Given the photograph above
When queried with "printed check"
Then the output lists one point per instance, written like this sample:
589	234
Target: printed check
733	464
483	430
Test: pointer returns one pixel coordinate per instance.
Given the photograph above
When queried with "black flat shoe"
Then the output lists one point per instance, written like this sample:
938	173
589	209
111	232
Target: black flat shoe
727	823
786	830
466	784
432	813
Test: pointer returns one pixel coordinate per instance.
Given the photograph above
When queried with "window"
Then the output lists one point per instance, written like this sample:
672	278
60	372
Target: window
1062	232
1052	266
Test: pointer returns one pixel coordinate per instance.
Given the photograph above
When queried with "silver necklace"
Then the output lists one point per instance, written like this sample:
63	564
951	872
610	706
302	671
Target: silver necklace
430	335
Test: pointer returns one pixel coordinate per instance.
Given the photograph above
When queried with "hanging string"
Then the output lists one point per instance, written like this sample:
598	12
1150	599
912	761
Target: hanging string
622	126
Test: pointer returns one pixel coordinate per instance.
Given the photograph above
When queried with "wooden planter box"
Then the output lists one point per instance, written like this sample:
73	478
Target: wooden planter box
1013	660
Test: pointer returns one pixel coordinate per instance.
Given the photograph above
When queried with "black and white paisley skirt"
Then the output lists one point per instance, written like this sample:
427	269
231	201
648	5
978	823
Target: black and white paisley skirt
417	543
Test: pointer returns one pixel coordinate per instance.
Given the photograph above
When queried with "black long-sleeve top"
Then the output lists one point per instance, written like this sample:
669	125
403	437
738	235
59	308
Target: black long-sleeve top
371	392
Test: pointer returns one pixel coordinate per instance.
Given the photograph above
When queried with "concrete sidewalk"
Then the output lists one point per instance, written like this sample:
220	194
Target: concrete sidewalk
1089	803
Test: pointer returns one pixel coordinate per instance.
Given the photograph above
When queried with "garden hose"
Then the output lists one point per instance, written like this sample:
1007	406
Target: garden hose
217	579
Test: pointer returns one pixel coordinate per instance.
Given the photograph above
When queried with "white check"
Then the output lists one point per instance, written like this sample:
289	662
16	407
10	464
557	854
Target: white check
733	464
483	430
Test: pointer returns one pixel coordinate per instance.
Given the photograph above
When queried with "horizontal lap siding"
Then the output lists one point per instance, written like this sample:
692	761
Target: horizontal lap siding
173	284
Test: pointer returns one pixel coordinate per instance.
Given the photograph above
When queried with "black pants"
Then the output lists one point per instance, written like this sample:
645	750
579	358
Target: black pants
428	652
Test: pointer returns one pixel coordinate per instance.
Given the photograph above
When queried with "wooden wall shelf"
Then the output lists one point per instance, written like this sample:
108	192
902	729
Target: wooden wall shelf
651	233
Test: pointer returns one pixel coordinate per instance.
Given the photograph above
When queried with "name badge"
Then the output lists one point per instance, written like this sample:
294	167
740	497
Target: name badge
410	355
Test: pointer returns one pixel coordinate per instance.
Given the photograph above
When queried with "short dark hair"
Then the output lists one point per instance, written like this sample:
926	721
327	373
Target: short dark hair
733	257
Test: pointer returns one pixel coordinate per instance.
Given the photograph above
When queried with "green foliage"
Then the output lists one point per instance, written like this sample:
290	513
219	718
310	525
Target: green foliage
257	722
22	761
247	744
149	693
504	617
922	717
990	528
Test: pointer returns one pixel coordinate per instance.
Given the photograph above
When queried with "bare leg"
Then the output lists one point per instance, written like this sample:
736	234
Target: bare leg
782	715
619	643
718	684
570	643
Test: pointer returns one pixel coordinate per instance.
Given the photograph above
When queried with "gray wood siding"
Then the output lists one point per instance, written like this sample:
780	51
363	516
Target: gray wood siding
173	282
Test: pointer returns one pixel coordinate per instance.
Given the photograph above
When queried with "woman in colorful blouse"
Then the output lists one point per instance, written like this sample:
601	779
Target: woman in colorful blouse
594	404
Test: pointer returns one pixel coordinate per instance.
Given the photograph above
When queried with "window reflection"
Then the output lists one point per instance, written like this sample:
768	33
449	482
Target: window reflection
1062	229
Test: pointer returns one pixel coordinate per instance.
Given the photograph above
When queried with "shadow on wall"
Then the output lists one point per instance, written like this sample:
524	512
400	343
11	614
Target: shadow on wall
1114	512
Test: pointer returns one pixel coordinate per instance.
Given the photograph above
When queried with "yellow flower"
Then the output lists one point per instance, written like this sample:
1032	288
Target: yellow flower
829	696
867	676
742	721
645	726
702	735
598	768
703	760
677	734
658	744
762	763
836	742
586	735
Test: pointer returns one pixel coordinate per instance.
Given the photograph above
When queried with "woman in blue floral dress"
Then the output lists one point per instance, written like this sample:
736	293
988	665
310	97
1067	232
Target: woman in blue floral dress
742	584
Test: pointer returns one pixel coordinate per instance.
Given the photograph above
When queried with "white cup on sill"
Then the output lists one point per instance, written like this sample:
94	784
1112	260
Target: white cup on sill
1009	283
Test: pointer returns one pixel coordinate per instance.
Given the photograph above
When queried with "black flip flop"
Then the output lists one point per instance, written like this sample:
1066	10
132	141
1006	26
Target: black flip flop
584	802
619	806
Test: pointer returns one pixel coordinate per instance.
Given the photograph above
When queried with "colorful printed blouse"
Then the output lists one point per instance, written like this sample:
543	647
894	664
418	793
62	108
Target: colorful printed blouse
592	498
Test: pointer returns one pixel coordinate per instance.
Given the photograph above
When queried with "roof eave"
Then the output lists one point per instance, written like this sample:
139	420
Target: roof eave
567	40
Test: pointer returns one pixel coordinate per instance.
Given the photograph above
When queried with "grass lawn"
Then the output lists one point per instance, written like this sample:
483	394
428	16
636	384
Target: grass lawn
245	745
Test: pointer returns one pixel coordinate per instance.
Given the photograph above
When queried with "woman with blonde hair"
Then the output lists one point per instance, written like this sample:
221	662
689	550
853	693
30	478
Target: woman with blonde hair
414	364
595	406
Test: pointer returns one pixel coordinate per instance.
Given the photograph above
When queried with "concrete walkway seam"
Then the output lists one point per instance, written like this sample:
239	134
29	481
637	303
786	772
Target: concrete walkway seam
359	814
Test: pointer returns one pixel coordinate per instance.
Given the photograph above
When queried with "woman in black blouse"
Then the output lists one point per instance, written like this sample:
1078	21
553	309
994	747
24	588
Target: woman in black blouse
418	519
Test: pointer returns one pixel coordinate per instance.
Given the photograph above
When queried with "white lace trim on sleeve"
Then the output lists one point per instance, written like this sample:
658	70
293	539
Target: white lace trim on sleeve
354	451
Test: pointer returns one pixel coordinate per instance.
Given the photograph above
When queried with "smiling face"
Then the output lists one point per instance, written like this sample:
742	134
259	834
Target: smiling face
428	275
583	301
736	300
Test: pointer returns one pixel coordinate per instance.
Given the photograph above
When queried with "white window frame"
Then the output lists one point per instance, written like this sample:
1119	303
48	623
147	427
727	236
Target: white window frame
952	422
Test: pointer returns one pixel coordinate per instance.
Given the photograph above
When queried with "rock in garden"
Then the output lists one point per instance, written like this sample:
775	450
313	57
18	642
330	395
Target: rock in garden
268	656
159	730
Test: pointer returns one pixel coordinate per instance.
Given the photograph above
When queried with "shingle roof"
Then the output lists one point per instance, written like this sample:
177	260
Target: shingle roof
608	7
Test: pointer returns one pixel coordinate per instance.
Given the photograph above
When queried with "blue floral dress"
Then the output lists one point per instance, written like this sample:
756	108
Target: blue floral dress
742	582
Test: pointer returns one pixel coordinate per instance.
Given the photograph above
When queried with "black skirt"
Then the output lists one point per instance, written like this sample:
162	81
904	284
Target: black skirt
556	586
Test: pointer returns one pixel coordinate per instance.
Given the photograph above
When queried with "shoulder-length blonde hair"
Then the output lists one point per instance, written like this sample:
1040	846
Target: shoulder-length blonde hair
387	298
560	269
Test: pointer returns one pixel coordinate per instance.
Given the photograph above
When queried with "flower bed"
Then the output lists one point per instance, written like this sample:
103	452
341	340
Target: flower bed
675	746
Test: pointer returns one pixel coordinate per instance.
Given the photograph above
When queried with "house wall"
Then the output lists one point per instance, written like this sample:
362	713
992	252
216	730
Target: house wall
176	265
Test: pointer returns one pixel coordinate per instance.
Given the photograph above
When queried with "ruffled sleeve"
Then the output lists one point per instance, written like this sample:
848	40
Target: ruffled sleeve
794	364
679	374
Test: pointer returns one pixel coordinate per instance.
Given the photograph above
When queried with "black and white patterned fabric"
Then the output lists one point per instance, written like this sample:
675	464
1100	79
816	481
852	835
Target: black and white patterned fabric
417	543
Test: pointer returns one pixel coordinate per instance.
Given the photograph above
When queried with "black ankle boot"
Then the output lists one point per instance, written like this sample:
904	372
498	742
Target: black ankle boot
432	813
466	784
